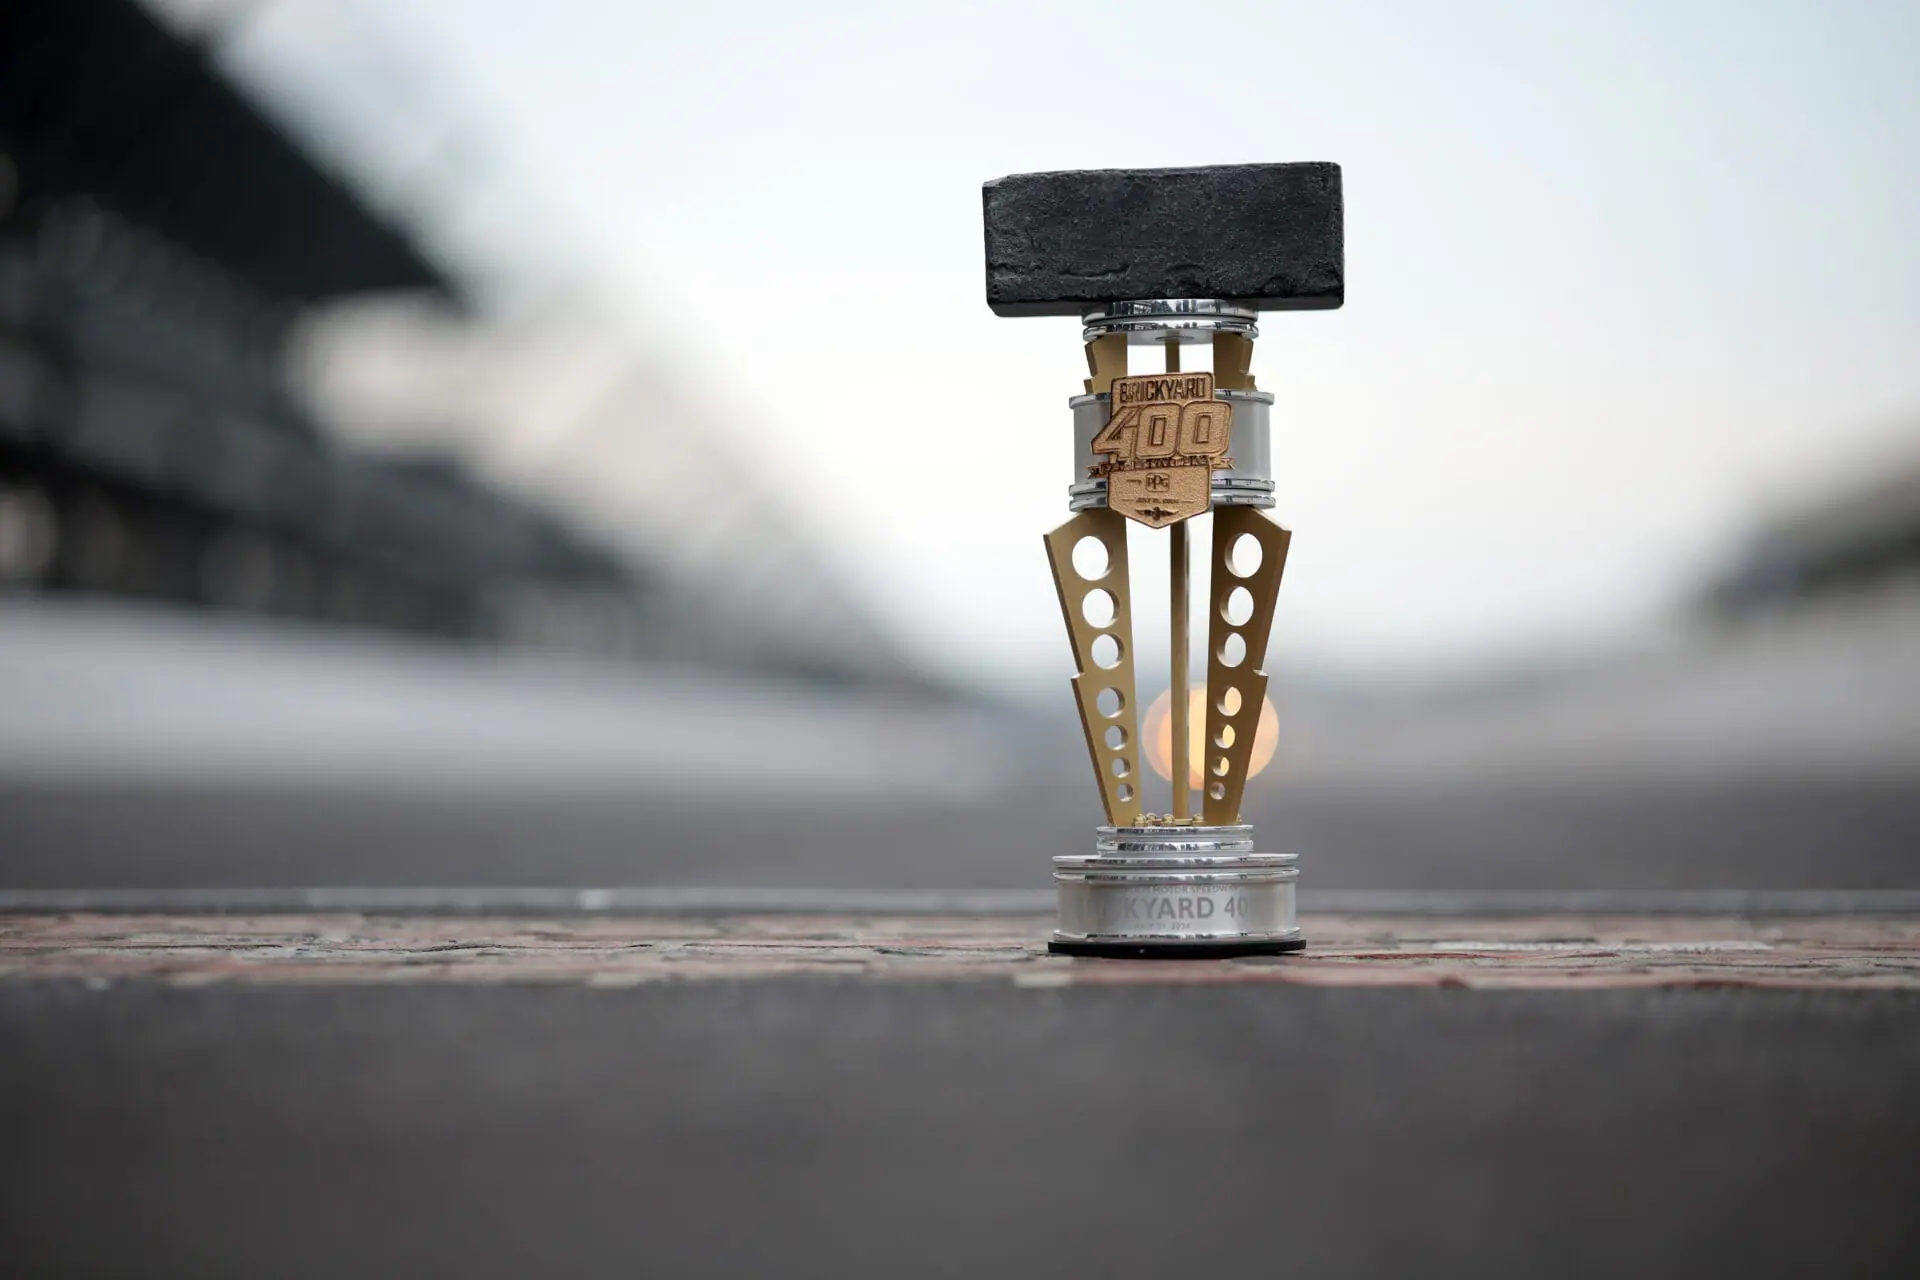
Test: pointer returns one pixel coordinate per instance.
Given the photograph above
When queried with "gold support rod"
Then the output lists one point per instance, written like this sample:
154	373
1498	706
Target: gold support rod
1182	801
1177	690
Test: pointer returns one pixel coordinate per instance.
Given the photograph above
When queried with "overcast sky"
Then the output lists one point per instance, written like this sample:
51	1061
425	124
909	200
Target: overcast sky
1621	278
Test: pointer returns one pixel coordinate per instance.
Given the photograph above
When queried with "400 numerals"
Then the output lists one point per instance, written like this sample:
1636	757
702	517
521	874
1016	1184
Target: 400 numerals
1198	429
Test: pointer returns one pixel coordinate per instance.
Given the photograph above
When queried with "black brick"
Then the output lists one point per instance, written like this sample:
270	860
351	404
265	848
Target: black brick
1269	234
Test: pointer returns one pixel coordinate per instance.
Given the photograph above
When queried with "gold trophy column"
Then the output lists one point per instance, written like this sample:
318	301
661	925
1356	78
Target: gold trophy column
1164	436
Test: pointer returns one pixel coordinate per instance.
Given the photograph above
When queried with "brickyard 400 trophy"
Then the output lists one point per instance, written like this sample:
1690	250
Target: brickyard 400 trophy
1170	258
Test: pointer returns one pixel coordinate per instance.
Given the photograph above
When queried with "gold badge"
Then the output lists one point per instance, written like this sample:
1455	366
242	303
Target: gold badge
1164	438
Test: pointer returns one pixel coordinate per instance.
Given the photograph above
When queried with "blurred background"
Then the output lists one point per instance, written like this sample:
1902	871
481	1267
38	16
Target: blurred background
401	480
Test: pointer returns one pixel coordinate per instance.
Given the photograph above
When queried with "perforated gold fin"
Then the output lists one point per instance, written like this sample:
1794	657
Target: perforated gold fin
1242	686
1116	763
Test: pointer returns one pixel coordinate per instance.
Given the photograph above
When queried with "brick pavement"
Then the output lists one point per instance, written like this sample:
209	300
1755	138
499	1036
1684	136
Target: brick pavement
1562	951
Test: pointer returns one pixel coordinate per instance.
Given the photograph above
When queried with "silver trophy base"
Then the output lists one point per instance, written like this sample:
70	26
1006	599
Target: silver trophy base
1176	892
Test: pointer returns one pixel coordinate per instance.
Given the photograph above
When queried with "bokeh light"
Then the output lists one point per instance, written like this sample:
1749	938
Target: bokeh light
1157	730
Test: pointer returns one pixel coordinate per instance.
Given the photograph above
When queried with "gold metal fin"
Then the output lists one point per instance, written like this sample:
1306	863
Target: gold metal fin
1106	360
1117	767
1224	767
1232	358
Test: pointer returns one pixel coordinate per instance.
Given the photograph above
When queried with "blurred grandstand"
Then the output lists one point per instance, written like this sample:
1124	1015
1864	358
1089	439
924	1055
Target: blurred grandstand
1859	538
168	259
280	341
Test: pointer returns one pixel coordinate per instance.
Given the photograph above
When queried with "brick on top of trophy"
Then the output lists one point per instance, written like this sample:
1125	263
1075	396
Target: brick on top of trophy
1268	234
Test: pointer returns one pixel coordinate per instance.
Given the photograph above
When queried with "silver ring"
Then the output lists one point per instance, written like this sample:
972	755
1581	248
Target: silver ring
1160	320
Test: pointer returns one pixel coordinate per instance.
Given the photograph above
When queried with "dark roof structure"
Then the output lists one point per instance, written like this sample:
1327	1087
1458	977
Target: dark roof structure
1852	537
97	100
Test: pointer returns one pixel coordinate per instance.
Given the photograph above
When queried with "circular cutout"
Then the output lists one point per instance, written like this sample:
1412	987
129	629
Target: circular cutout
1122	766
1224	738
1218	791
1116	737
1238	607
1124	791
1220	767
1090	558
1244	556
1105	652
1230	702
1233	650
1097	608
1109	703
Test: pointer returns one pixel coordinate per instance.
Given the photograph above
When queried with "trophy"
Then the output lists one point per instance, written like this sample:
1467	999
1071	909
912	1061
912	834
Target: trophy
1174	259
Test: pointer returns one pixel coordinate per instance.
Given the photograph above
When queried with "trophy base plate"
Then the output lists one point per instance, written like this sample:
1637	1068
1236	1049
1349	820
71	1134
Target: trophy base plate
1176	892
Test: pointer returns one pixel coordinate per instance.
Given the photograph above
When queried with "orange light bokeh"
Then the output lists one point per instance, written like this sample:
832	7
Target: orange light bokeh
1157	731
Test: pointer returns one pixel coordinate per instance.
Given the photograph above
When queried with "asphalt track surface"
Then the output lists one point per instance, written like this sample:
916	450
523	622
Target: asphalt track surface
1754	834
821	1127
